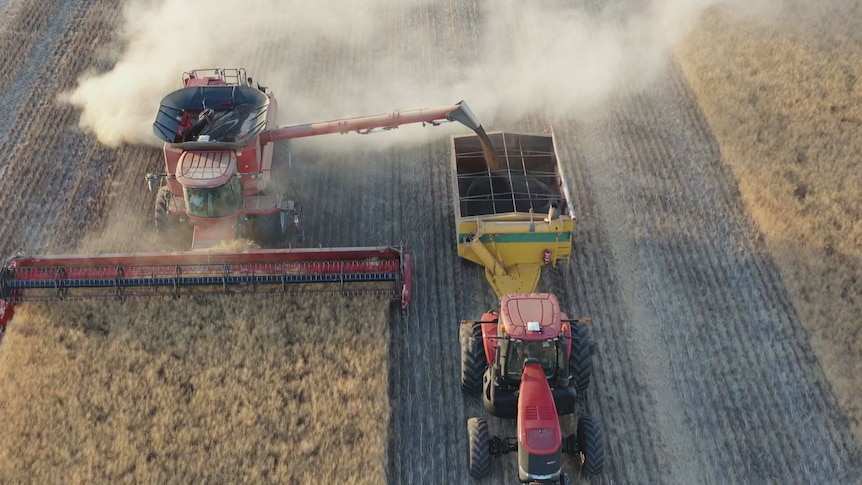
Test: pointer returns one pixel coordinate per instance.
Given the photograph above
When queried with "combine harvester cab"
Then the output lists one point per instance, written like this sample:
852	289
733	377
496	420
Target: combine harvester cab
512	210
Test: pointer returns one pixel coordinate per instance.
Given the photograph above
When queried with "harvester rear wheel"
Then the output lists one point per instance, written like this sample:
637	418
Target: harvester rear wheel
472	358
591	447
580	360
480	447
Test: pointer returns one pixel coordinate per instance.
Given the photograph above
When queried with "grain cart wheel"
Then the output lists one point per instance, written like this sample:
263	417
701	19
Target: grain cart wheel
591	447
480	447
472	358
580	360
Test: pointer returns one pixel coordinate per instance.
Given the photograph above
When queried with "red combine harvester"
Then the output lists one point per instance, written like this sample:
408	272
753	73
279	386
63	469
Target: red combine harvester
219	132
531	362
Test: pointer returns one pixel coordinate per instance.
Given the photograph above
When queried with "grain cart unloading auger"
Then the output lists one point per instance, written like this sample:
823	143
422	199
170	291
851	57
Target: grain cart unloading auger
218	132
528	360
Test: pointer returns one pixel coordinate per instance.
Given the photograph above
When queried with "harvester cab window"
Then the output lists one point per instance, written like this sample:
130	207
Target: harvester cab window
219	201
544	351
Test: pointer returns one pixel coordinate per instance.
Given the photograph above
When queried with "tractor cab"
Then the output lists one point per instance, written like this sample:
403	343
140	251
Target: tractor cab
532	326
550	354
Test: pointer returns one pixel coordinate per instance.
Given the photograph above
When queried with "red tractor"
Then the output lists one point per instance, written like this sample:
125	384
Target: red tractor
218	132
531	362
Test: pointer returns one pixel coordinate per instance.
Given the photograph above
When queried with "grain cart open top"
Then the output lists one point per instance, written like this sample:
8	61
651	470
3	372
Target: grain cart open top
512	211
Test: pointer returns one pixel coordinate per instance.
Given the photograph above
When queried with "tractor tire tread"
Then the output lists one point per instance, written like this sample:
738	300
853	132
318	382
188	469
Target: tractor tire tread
591	444
480	448
473	361
581	357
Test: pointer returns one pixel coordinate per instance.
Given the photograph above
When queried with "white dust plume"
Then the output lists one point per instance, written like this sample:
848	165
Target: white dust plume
331	58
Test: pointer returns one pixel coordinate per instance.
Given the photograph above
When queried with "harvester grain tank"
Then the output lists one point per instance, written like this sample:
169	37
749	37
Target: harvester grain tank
512	216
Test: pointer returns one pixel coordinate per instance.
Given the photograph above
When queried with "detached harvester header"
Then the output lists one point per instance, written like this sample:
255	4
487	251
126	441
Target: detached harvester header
219	132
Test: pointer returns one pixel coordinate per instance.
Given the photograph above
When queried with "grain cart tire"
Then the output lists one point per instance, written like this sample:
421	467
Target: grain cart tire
580	360
480	447
591	447
472	358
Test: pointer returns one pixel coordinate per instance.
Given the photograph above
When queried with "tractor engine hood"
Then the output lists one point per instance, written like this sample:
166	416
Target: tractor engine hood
539	438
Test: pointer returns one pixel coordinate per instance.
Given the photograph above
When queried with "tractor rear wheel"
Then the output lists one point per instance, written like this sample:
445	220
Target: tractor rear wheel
580	360
472	358
480	447
591	446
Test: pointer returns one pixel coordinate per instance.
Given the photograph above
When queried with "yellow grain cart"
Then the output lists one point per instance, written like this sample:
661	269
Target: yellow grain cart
512	214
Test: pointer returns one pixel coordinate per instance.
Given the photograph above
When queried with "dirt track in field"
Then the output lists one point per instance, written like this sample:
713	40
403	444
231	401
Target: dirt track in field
704	373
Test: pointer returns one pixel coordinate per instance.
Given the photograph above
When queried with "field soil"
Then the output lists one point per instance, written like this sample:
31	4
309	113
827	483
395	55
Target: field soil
705	370
783	100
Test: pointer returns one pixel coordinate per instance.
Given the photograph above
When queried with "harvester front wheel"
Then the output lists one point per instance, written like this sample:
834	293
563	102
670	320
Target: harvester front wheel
591	447
581	358
472	358
271	229
164	222
169	228
480	447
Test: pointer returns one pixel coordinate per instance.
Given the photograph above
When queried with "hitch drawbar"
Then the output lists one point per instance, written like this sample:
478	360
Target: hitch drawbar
363	270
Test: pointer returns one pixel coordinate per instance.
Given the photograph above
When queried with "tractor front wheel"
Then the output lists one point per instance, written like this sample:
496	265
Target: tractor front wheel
480	447
591	447
472	358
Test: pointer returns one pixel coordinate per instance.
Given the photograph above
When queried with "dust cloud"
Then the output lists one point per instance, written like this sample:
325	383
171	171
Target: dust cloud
545	55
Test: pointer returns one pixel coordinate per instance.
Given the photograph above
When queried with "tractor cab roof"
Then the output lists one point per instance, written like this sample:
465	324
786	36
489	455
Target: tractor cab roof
531	316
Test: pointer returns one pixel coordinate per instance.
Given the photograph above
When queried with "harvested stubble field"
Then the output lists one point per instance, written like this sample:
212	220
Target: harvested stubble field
705	373
784	101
